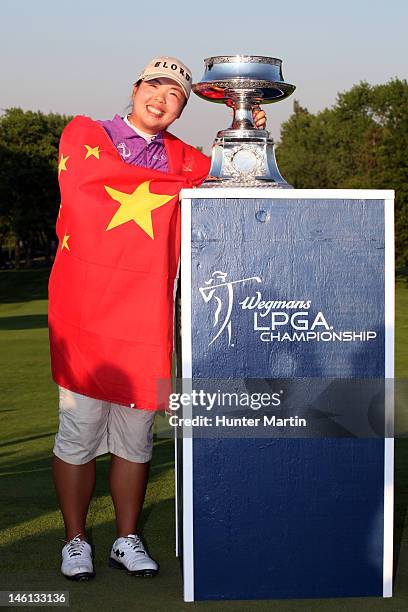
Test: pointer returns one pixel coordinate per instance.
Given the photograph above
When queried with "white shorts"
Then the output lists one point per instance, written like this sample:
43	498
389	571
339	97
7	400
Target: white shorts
89	427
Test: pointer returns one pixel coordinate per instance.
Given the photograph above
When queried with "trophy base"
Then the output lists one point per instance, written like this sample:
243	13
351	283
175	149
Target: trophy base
244	158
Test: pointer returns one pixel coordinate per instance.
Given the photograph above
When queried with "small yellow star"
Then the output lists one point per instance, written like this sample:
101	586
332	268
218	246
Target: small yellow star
61	166
65	242
137	206
92	151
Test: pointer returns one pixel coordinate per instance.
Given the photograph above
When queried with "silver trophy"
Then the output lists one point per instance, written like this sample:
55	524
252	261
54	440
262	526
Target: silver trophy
242	155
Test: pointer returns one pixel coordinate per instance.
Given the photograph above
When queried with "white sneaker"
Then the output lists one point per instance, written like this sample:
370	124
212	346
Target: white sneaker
129	553
77	560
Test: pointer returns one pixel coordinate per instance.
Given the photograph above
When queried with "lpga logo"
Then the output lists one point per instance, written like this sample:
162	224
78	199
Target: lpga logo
222	295
274	320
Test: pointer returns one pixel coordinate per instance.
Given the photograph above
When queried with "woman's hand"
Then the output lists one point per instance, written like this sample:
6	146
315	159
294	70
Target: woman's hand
259	117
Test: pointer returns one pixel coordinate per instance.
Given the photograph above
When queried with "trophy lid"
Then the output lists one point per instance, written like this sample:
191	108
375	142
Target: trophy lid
225	74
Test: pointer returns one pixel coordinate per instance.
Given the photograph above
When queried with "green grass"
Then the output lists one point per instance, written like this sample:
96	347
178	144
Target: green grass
31	528
401	318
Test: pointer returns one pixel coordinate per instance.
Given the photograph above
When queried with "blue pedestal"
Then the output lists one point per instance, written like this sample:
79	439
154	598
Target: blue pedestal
286	517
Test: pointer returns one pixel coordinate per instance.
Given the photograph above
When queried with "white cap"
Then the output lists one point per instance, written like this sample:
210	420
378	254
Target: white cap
171	68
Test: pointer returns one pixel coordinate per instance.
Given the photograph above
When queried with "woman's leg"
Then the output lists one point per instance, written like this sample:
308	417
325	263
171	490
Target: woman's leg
74	485
127	482
81	437
130	441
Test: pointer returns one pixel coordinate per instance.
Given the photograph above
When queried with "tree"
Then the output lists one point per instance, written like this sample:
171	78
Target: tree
29	195
361	142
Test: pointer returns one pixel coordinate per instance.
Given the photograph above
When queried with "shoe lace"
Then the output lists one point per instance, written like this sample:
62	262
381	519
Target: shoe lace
75	546
135	543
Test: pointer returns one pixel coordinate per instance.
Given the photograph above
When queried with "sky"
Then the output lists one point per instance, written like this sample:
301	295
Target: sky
82	56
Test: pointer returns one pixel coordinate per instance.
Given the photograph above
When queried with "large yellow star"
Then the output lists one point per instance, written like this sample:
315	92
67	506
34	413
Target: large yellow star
92	151
62	163
137	206
65	244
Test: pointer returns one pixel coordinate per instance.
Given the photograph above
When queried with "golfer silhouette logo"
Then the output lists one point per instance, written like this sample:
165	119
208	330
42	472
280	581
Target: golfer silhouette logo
222	295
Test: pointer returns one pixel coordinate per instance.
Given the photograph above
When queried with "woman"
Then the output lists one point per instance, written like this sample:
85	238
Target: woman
111	303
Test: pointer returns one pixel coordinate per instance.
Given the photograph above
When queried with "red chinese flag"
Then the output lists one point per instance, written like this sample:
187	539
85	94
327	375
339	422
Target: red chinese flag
111	289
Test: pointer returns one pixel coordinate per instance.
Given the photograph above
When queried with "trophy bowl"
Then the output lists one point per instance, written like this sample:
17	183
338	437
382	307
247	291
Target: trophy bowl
226	73
242	155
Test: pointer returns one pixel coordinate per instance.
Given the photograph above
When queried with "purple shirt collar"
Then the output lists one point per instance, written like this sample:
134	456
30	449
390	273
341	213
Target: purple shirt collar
127	131
134	149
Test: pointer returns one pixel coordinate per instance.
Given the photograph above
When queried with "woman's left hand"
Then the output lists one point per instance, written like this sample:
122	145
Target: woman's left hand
259	117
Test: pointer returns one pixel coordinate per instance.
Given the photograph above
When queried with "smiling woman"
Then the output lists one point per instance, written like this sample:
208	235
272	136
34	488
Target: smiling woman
111	303
160	94
123	234
156	104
